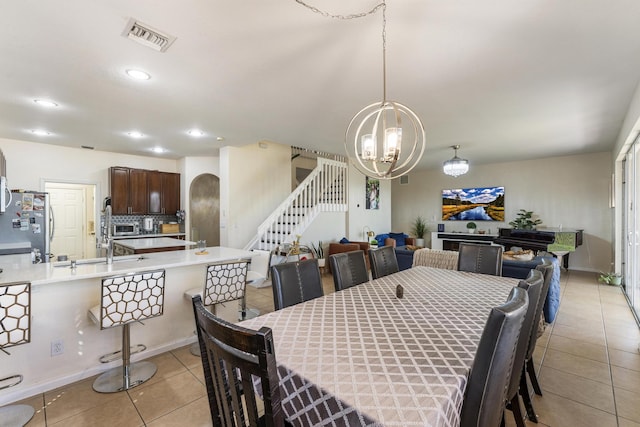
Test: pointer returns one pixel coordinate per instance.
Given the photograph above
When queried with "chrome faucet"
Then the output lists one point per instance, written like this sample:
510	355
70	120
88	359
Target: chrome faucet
107	236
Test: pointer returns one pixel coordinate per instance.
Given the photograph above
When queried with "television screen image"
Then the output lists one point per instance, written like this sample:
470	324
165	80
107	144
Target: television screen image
473	204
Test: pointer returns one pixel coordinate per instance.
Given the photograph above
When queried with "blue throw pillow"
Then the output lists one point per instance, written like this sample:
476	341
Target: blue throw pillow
399	238
380	238
344	240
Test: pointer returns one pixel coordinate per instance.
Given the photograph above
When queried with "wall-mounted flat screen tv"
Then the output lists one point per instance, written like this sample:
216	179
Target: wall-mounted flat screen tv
473	204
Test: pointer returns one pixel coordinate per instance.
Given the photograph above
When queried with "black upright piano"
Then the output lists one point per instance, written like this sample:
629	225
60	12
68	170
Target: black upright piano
536	240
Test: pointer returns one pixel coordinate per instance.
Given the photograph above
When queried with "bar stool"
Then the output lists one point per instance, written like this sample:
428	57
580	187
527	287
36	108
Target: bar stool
224	282
125	299
15	324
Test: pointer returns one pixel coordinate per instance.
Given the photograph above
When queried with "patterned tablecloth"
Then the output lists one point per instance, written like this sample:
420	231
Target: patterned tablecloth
362	356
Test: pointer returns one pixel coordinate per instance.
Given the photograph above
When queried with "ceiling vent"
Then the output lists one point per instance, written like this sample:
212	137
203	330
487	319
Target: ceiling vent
145	35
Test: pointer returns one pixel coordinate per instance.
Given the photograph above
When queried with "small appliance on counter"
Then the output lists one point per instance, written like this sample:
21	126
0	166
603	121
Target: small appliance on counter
127	229
147	224
26	225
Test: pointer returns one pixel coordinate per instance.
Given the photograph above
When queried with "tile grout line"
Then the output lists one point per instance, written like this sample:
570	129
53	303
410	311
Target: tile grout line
606	343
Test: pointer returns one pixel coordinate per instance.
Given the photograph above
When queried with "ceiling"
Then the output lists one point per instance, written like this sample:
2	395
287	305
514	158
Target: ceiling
506	80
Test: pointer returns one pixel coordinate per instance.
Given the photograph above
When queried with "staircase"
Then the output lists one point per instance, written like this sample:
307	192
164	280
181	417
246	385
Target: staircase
324	190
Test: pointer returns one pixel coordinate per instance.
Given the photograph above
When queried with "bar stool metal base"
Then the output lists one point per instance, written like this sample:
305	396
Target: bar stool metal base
115	380
15	415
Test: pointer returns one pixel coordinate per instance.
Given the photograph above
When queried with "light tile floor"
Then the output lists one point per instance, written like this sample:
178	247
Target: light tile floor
588	359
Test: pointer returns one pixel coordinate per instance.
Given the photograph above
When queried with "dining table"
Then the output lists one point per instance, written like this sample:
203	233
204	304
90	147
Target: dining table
376	355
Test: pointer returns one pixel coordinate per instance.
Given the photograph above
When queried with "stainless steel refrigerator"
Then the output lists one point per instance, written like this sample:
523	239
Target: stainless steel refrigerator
26	225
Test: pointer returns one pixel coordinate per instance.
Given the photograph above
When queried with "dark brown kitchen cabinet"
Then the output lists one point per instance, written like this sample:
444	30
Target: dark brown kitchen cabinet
164	192
128	191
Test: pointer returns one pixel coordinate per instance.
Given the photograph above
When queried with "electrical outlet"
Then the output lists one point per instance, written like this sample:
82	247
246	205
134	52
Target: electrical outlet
57	348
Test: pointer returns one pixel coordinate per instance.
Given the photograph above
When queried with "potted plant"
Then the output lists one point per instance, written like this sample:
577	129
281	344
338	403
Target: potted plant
419	228
471	227
613	279
318	253
524	220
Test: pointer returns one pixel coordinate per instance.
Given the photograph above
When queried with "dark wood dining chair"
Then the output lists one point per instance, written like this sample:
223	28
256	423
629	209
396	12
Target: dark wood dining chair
485	393
348	269
533	285
484	259
546	268
295	282
232	358
383	261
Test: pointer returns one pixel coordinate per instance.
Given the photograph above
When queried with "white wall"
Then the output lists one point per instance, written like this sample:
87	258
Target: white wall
572	191
253	182
358	217
28	163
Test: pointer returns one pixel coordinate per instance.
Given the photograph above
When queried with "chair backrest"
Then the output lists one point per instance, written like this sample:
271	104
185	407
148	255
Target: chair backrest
533	286
546	268
485	259
383	261
348	269
232	357
492	366
436	258
131	297
225	281
295	282
15	314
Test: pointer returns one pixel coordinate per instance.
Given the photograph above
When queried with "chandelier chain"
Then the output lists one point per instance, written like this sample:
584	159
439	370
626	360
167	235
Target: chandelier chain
383	6
345	17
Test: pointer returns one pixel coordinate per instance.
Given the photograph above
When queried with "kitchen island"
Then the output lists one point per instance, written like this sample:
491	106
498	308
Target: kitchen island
148	245
61	297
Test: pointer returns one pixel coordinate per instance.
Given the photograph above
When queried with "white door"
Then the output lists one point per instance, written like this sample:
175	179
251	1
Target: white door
68	205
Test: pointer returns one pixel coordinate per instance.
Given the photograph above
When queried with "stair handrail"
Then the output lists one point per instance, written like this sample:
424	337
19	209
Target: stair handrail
300	189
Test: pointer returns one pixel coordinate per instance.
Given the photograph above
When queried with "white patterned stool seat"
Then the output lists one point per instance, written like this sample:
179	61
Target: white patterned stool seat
125	299
224	282
15	329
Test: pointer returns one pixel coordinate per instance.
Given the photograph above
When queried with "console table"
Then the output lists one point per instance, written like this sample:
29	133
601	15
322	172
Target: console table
451	241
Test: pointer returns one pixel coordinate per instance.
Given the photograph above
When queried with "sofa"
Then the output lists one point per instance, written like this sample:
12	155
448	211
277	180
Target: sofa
395	239
404	257
520	270
346	246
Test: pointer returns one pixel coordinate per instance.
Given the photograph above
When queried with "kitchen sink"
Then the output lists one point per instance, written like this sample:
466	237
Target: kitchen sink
99	260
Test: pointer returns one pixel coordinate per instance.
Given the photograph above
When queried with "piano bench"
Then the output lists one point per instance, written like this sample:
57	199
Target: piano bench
519	269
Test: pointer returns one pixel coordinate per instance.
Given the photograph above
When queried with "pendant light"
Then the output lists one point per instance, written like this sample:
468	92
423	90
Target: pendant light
455	166
385	140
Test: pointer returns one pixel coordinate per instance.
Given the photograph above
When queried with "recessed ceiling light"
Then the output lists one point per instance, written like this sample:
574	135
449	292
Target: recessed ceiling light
40	132
195	132
158	150
135	134
46	103
220	138
138	74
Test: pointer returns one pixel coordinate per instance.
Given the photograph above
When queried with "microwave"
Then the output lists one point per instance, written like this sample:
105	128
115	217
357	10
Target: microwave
129	229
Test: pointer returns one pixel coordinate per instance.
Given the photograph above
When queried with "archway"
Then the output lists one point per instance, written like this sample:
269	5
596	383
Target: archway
204	209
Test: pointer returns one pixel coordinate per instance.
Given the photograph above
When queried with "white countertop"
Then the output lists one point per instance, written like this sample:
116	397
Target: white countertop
153	243
55	272
149	235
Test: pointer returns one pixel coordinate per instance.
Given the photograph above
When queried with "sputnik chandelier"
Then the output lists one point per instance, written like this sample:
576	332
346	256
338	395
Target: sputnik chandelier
384	140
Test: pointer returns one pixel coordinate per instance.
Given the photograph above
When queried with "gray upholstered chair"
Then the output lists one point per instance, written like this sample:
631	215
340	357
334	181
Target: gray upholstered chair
485	259
232	358
295	282
485	393
383	261
533	286
348	269
546	268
